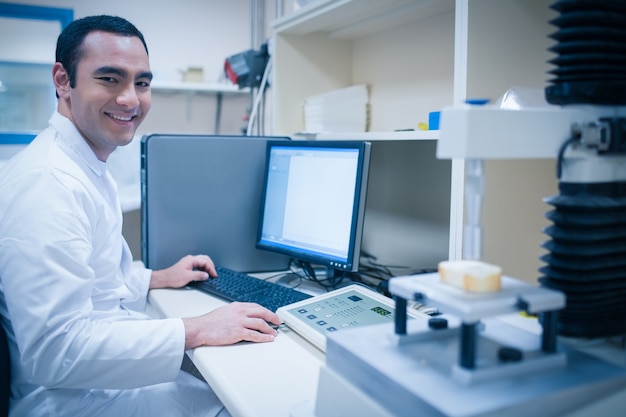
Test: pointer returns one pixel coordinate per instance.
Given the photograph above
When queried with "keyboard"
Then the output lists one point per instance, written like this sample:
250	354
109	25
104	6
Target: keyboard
238	286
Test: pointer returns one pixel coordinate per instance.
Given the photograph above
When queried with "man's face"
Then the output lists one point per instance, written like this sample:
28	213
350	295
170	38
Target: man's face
112	95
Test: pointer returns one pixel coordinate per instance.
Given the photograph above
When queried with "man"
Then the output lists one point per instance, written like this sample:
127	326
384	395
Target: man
71	301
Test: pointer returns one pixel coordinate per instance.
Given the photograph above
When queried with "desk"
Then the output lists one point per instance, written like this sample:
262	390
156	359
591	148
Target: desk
251	379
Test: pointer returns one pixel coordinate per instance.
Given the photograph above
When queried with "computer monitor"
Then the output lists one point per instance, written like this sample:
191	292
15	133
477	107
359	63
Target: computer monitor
313	202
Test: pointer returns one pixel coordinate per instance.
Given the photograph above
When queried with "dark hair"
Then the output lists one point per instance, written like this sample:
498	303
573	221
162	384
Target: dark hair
69	44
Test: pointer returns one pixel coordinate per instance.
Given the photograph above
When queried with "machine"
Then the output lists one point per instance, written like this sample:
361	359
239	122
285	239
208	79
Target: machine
482	357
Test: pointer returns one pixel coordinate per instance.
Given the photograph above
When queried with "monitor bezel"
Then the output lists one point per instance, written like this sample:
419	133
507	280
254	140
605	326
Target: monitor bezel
351	264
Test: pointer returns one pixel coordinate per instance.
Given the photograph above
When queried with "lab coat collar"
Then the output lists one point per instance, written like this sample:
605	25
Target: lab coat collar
68	133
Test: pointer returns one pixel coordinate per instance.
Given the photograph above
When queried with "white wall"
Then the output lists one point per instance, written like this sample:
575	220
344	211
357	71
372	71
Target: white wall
404	89
27	40
179	34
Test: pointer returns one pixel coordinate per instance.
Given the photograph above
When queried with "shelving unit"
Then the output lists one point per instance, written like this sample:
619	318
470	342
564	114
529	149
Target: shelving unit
353	19
378	136
419	56
328	45
190	89
331	44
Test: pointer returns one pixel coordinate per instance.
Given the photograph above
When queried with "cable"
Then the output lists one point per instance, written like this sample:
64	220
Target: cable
561	154
370	274
259	95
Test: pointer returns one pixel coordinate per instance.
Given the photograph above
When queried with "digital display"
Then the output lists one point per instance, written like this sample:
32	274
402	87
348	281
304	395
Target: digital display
351	306
381	311
348	309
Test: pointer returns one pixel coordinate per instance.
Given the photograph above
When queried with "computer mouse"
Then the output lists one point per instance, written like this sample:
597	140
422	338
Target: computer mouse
290	280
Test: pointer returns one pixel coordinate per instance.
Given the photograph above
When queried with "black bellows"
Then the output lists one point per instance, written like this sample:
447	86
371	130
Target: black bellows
586	256
590	66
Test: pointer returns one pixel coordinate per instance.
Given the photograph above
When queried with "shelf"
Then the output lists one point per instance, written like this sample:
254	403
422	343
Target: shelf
197	88
380	136
190	90
351	19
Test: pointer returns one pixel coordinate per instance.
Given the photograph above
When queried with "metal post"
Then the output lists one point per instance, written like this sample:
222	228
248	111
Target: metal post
467	355
401	315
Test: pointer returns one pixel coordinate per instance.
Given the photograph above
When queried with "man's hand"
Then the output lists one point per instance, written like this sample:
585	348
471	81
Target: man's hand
232	323
190	268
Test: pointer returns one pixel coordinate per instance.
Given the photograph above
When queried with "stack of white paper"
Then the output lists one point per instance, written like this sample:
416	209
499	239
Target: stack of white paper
344	110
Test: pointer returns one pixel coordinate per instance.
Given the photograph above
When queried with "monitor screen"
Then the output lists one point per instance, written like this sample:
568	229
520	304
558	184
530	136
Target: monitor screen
313	201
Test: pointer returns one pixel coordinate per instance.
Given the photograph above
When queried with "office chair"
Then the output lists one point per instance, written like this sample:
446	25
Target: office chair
5	374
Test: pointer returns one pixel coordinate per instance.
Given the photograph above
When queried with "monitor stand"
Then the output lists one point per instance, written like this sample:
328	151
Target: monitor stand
289	280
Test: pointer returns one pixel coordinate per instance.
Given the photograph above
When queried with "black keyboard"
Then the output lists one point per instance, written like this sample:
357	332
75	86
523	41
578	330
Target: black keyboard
237	286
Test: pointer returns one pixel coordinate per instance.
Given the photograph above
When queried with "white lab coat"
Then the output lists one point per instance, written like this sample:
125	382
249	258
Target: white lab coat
70	299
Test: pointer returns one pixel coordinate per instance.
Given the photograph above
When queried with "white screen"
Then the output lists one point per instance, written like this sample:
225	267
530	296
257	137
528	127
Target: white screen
312	204
325	224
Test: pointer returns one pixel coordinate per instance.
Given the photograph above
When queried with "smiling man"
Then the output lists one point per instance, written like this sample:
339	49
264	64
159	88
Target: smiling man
71	299
108	95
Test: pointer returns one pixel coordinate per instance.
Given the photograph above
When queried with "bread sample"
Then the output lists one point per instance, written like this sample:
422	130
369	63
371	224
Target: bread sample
472	276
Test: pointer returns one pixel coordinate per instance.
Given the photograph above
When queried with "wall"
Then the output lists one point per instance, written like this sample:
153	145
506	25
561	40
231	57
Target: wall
407	213
411	70
180	34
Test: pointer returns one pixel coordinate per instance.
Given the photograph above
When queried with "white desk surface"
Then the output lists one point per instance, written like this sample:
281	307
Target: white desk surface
251	379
